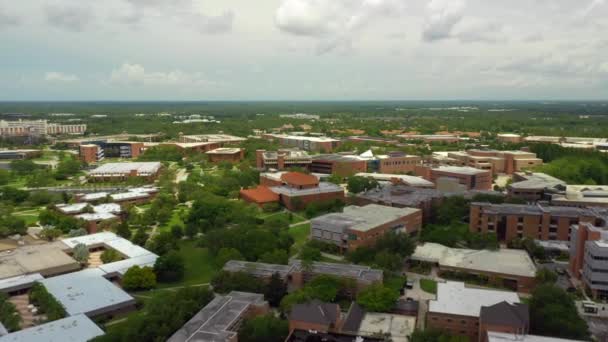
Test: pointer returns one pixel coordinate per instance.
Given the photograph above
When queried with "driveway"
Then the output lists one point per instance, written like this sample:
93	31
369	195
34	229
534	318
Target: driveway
418	294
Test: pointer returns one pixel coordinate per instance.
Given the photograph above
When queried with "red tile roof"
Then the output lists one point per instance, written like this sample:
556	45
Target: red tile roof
298	178
261	194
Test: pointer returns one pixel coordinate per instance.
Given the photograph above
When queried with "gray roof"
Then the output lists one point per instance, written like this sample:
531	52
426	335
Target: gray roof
506	314
323	188
78	328
532	209
315	311
465	170
536	180
408	196
35	259
213	322
366	217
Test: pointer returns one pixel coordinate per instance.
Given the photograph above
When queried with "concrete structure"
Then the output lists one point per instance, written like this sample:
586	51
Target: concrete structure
19	154
493	160
297	275
122	171
339	164
316	144
509	138
78	328
221	318
396	162
282	159
582	196
413	181
222	139
315	315
541	222
431	138
311	335
470	312
470	178
493	336
37	128
570	142
45	259
228	154
98	214
589	256
95	151
534	186
132	195
346	164
510	268
300	116
362	226
88	292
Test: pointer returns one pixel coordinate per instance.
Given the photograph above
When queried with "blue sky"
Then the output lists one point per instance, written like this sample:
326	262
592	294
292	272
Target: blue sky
303	49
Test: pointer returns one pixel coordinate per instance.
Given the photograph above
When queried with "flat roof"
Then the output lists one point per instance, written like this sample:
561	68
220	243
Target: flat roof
304	138
110	240
408	196
142	168
398	326
505	261
536	180
324	187
366	217
9	284
86	292
406	179
214	321
465	170
214	137
225	150
506	337
35	259
456	299
77	328
96	216
532	209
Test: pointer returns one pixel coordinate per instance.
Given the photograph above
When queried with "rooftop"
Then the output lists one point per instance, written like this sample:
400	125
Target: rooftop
315	311
222	138
465	170
399	326
366	217
298	137
298	178
225	150
505	261
506	337
408	196
536	180
532	209
323	187
309	335
214	321
457	299
78	328
108	240
86	292
35	259
260	194
288	154
405	179
142	168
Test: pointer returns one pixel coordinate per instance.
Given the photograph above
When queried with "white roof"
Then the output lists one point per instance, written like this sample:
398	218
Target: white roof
142	168
456	299
111	240
94	196
122	266
20	280
505	261
399	326
78	328
96	216
129	195
297	137
504	337
85	291
406	179
467	170
71	208
105	208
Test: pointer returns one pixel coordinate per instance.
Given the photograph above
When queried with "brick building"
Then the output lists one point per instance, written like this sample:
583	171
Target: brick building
509	138
228	154
534	186
306	143
339	164
282	159
493	160
362	226
315	315
470	312
126	170
468	177
94	151
510	221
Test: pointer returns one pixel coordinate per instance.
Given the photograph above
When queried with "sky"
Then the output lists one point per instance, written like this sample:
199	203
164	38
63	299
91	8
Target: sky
303	50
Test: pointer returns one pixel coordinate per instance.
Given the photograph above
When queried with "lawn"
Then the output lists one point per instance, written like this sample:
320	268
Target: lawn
295	217
300	234
175	219
428	285
200	265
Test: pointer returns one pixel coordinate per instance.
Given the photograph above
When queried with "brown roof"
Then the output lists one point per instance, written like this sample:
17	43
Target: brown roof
298	178
503	313
261	194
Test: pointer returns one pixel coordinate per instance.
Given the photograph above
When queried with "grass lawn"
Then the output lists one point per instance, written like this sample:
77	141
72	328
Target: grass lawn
30	220
175	219
295	217
300	235
200	265
428	285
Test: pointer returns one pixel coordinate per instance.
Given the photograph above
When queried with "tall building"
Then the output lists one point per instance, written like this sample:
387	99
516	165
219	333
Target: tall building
282	159
534	186
95	151
468	177
306	143
38	128
493	160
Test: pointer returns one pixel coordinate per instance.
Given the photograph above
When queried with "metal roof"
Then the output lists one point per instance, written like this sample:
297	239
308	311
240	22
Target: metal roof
457	299
78	328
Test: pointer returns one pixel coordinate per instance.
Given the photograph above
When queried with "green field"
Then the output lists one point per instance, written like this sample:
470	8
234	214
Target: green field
300	234
428	285
199	265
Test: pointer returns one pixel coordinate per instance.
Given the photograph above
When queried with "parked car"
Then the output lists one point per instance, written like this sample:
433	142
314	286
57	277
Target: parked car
409	284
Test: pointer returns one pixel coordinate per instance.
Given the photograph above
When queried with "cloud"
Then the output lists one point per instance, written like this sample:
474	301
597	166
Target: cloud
56	76
136	75
591	7
74	19
214	24
7	20
442	17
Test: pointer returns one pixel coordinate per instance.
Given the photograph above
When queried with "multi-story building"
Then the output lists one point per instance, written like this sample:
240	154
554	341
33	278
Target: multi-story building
496	161
362	226
472	312
468	177
38	128
346	164
229	154
306	143
589	254
339	164
94	151
414	181
534	186
509	138
582	196
432	138
223	139
396	162
282	159
541	222
123	171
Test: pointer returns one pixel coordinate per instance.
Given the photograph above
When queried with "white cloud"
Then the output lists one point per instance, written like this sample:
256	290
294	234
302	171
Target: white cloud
136	75
56	76
69	18
7	20
442	17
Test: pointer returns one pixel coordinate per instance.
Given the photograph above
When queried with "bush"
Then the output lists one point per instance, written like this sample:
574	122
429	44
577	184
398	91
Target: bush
169	267
46	303
377	298
110	255
8	314
139	278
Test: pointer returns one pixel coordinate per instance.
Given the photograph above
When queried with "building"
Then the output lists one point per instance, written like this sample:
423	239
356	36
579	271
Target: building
300	116
495	161
226	154
493	336
582	196
221	139
22	128
77	328
294	190
123	171
315	315
362	226
95	151
282	159
45	259
309	335
464	311
431	138
570	142
467	177
19	154
306	143
346	164
413	181
510	268
588	255
339	164
132	195
93	215
534	186
539	222
220	319
397	162
297	275
510	138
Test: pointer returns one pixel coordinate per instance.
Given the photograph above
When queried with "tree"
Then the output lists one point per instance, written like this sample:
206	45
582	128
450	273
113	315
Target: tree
263	329
50	234
545	276
278	256
275	290
24	167
162	243
357	184
225	282
80	252
139	278
123	230
170	267
553	313
110	255
5	177
431	335
140	237
177	231
66	168
377	298
226	254
310	253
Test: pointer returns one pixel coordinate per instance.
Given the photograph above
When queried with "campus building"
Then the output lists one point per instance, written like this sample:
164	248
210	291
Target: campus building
467	177
226	154
539	222
362	226
431	138
472	312
589	255
408	180
93	215
282	159
220	319
77	328
19	154
534	186
306	143
340	164
123	171
296	274
95	151
346	164
495	161
582	196
221	139
510	268
24	128
511	138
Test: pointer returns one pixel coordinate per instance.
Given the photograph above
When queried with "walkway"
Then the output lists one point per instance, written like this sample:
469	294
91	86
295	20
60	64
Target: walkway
28	319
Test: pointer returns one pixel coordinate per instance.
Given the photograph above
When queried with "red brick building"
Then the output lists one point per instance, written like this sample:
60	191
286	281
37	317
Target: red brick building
232	155
282	159
470	178
315	315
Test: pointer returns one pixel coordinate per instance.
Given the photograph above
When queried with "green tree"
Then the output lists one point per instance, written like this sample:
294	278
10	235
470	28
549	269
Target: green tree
377	298
431	335
545	276
123	230
110	255
80	252
170	267
139	278
356	184
278	256
226	254
263	329
275	290
225	282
